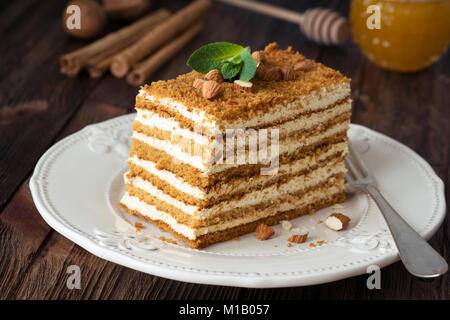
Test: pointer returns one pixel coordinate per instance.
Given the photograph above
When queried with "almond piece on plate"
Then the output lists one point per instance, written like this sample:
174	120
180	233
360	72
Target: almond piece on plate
210	89
298	238
264	232
243	85
198	84
337	221
286	225
214	75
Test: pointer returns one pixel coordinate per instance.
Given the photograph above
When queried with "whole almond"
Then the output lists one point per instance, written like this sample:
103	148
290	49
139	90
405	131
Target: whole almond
214	75
259	56
268	73
303	65
288	73
92	19
210	89
274	74
198	84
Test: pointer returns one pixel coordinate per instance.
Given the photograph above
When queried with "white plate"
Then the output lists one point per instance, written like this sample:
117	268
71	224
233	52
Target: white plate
77	184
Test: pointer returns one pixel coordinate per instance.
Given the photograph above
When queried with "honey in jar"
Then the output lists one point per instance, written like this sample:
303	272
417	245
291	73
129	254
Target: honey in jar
412	34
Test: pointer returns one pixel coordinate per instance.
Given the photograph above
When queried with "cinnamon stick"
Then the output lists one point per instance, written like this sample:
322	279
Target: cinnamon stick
126	9
117	5
99	64
97	70
71	63
123	62
144	69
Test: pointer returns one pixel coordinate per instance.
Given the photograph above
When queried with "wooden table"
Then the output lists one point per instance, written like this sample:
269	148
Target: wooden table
38	107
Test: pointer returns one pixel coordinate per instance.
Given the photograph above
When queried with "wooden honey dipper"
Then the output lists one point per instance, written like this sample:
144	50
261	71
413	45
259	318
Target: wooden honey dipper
324	26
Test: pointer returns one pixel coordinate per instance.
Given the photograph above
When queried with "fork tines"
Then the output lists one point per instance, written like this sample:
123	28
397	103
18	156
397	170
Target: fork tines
357	170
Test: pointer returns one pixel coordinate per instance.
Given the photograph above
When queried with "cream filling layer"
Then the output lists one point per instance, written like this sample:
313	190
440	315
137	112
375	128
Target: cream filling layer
174	150
134	203
313	120
153	120
198	116
169	178
272	192
313	101
203	163
292	168
148	187
284	169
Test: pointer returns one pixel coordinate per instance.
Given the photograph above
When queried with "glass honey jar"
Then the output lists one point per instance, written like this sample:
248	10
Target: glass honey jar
411	34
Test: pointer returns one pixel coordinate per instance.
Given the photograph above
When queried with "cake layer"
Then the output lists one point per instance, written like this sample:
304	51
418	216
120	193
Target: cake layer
230	150
188	117
151	124
179	182
267	98
203	162
294	185
206	181
264	206
134	206
191	194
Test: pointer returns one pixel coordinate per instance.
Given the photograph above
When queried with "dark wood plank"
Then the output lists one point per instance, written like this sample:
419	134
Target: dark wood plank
11	12
412	108
31	58
22	231
108	101
435	148
111	93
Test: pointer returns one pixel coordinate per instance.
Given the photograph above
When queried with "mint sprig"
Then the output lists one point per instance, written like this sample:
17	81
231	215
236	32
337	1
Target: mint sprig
230	70
249	66
229	58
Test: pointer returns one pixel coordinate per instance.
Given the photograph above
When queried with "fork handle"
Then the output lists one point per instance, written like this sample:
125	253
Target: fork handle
417	255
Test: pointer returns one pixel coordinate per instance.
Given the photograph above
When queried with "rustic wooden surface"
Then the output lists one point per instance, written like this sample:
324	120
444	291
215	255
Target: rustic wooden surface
38	106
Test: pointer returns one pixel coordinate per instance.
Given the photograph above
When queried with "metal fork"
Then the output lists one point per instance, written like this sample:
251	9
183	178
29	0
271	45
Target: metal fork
419	258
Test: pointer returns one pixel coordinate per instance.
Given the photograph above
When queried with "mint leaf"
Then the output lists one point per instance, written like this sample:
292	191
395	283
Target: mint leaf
230	70
229	58
249	68
213	55
237	59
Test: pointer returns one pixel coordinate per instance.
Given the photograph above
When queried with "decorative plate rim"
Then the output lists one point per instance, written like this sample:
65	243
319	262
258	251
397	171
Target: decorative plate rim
50	214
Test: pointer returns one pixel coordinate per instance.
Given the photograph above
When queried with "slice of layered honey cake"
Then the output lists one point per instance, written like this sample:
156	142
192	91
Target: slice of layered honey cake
245	139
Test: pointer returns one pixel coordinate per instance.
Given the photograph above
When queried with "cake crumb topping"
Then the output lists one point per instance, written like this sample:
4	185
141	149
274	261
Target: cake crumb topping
237	104
168	240
138	226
